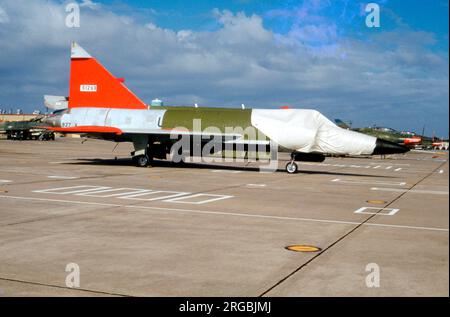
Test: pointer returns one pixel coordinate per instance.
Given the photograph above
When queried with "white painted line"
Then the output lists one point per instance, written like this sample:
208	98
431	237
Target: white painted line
101	193
133	194
378	166
221	213
418	191
369	182
94	188
307	163
362	210
172	194
225	171
61	177
398	169
441	171
339	165
182	200
399	164
431	159
70	189
404	227
256	185
389	167
57	189
5	181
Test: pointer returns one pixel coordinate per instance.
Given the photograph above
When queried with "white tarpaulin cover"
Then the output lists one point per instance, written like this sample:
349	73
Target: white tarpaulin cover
309	131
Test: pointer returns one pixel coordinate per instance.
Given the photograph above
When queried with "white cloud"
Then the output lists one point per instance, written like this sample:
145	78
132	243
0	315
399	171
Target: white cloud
151	26
89	4
323	33
4	18
392	78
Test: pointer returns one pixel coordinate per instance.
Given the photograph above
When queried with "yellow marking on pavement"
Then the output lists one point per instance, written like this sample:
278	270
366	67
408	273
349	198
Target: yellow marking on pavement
376	201
303	248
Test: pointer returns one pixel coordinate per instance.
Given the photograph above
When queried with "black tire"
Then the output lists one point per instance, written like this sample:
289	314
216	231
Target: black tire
142	160
291	168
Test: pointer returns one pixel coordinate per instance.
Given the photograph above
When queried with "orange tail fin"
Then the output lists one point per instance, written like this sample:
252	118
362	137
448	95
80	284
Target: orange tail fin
91	85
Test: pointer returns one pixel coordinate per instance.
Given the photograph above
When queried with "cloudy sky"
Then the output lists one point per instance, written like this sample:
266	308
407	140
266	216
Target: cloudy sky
308	54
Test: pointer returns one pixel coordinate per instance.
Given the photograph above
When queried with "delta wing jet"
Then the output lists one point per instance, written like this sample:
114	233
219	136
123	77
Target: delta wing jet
99	105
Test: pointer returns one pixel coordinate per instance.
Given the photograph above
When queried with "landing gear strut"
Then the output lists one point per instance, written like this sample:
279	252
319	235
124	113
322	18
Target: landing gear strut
142	156
292	167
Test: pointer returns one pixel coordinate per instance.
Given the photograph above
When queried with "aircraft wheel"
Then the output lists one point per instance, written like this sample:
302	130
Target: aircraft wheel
291	167
142	160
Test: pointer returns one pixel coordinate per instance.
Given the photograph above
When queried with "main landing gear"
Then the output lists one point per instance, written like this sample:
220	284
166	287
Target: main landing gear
142	160
292	167
142	155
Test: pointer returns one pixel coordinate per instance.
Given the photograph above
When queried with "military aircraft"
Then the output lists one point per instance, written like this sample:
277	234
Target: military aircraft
388	134
99	105
26	130
440	145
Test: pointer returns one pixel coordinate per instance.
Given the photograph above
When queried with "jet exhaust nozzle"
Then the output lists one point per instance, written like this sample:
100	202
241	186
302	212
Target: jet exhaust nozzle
388	147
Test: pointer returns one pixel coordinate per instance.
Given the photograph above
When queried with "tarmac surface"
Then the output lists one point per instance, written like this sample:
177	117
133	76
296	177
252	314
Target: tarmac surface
219	229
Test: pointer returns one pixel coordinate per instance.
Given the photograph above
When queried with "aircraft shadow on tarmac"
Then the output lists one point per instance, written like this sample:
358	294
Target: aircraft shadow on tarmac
162	163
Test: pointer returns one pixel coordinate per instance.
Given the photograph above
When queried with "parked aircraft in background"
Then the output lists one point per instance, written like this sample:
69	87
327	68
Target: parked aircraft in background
26	130
440	145
409	139
100	105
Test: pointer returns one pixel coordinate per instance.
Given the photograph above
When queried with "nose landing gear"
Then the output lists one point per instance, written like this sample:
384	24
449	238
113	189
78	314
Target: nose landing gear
292	167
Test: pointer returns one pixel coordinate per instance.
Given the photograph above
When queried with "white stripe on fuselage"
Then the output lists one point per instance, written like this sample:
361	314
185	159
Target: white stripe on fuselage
134	121
129	121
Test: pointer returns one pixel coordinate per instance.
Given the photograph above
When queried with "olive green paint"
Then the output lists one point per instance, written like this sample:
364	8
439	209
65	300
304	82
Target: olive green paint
220	118
211	120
